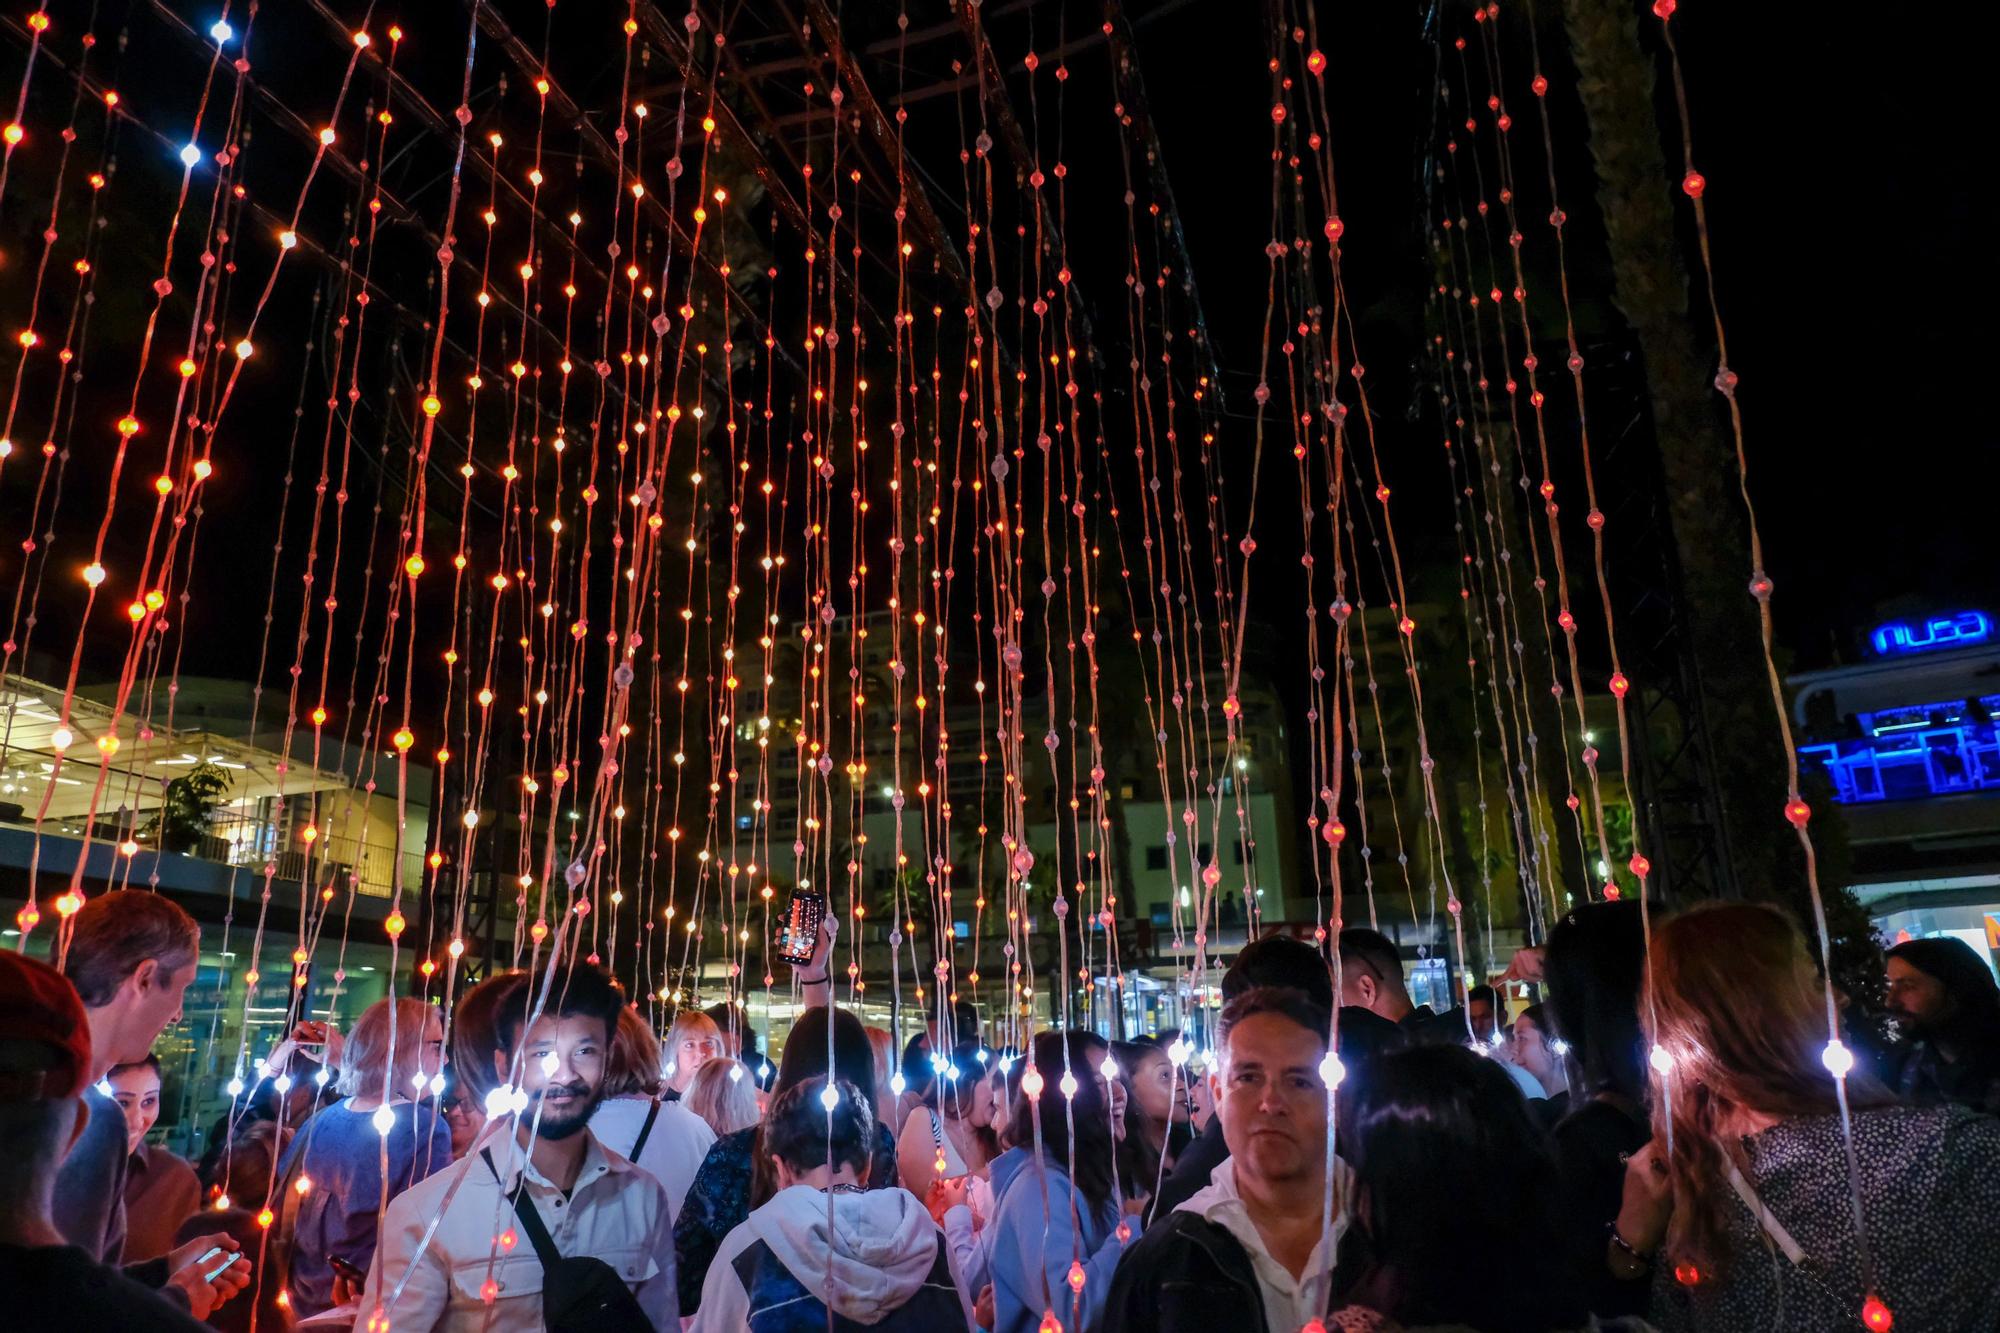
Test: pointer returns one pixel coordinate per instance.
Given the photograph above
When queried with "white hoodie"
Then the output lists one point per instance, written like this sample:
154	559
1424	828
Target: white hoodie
880	1249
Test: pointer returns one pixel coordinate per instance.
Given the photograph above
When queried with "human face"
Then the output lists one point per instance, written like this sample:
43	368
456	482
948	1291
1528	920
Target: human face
1154	1086
137	1091
562	1071
1480	1012
697	1046
1917	997
1113	1090
465	1120
974	1100
155	1004
1530	1050
430	1058
1272	1100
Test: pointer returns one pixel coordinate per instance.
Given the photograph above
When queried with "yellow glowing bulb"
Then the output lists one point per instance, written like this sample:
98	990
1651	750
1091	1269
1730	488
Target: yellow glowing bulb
403	740
187	367
203	469
414	566
431	405
13	134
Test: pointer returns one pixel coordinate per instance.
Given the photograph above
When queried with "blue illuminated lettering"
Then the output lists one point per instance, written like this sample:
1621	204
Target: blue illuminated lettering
1947	631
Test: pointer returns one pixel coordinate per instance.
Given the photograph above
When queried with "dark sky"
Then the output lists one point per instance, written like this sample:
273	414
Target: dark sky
1840	161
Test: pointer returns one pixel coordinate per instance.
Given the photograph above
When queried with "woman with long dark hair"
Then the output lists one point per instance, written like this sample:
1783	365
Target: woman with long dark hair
1453	1192
737	1175
1058	1217
950	1135
1158	1116
1596	960
1742	1205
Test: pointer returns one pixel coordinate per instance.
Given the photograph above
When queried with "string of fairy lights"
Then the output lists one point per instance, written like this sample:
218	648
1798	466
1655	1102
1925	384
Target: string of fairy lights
696	630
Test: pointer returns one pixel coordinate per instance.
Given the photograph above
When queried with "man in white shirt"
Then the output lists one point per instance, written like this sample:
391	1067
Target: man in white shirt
1255	1241
454	1255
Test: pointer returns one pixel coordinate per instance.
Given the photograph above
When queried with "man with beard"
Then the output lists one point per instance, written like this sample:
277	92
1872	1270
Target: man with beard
1252	1243
461	1247
1943	993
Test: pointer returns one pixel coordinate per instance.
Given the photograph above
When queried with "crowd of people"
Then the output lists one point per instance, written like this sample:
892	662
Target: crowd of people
1667	1137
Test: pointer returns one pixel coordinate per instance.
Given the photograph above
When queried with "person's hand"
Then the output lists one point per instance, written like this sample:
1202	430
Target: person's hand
321	1040
982	1309
1526	966
1648	1200
1136	1205
345	1292
204	1294
945	1195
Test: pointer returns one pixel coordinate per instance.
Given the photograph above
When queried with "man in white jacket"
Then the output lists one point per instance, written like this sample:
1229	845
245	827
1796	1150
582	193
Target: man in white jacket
454	1254
873	1257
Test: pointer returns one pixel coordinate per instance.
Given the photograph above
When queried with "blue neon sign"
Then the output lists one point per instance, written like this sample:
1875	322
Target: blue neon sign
1956	630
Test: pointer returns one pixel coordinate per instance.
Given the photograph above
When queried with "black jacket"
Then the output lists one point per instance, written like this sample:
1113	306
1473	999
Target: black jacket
1186	1275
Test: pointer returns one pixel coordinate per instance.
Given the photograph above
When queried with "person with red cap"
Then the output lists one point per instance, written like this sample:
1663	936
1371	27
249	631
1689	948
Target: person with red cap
45	1066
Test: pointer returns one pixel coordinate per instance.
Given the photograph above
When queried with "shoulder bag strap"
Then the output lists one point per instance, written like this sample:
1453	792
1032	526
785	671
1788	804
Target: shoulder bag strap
646	1130
531	1221
1771	1225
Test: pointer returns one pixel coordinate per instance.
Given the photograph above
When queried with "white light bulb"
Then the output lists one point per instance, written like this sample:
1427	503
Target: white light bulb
897	1083
190	155
1559	1046
1837	1059
829	1097
437	1084
671	1066
499	1101
320	1078
283	1083
263	1069
221	31
517	1100
736	1073
951	1073
234	1087
384	1120
417	1080
1006	1064
1179	1051
1331	1070
550	1064
1109	1068
1068	1084
764	1070
1662	1060
981	1054
103	1087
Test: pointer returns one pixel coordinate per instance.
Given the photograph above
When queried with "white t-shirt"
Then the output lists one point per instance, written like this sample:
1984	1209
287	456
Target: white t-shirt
673	1152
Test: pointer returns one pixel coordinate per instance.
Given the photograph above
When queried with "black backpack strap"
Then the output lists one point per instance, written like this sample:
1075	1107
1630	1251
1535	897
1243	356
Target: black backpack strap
645	1130
531	1221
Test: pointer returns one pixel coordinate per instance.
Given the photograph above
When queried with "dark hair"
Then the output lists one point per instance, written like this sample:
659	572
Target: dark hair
151	1062
918	1072
1483	992
1280	960
804	1060
579	990
1538	1014
1079	1052
947	1094
115	932
1455	1190
1372	951
799	1130
475	1032
1596	959
1966	979
1284	1001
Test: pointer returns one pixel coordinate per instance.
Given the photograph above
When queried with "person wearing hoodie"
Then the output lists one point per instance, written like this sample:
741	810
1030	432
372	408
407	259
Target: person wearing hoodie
1252	1251
1058	1225
825	1251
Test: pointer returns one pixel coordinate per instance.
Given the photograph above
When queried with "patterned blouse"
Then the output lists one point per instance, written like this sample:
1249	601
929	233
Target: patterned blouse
1930	1198
720	1198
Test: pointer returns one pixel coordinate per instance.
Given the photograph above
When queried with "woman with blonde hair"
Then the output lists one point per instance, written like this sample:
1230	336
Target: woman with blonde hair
1744	1191
692	1042
392	1060
724	1095
635	1118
